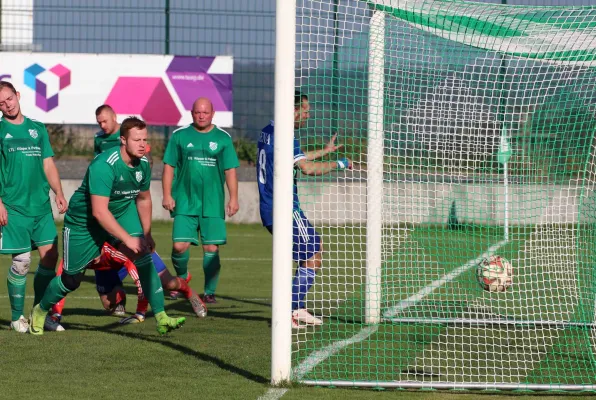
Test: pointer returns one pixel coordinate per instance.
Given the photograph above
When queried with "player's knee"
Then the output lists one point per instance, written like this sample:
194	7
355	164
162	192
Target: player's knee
49	257
72	282
181	247
210	248
20	263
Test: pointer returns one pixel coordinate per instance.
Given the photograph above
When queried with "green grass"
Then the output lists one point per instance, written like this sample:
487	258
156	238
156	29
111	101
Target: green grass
227	355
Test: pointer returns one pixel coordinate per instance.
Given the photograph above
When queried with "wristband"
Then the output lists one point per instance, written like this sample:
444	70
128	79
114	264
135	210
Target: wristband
343	163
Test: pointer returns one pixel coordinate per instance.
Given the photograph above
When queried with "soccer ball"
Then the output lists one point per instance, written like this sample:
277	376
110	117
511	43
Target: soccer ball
494	274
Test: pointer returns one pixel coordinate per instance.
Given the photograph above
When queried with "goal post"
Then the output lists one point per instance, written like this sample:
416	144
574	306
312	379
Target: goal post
471	127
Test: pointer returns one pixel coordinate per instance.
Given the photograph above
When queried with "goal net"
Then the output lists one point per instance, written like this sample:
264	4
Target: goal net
471	127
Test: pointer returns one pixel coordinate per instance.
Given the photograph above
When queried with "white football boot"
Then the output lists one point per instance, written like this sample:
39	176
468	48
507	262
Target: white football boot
21	325
301	315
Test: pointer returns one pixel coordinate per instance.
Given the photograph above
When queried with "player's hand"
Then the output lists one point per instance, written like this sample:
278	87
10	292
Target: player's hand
61	203
344	163
3	215
135	244
168	203
331	146
150	243
232	207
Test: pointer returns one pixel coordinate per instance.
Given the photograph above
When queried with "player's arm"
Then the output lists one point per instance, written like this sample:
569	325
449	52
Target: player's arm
166	182
329	148
170	160
3	212
232	183
145	208
53	178
100	211
50	169
323	167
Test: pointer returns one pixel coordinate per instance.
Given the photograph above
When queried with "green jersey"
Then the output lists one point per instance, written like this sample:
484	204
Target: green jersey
200	160
108	176
24	187
103	141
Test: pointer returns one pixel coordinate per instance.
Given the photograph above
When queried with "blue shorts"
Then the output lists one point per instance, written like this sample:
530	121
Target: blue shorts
306	239
106	281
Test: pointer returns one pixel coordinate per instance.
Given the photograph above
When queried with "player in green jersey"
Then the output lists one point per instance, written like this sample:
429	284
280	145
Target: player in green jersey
109	135
204	159
27	172
115	182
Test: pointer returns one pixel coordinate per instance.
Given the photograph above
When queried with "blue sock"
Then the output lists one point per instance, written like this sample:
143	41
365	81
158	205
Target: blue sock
122	273
303	280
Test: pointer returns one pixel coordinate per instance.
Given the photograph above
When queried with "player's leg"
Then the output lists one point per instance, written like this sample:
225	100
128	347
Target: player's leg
80	248
57	308
175	283
184	233
15	239
213	234
307	251
46	240
147	275
111	293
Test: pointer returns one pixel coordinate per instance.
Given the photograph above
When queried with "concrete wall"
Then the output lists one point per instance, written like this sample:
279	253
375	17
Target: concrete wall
344	202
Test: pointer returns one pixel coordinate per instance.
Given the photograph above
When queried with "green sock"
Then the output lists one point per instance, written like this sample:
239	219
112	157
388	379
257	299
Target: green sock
180	261
54	292
16	293
43	277
150	283
211	268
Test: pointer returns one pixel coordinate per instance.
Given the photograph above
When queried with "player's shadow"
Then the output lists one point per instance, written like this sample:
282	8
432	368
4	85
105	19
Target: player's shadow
88	312
244	301
174	346
231	312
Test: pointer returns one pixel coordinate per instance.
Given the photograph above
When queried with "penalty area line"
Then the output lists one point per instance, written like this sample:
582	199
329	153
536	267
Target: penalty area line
318	356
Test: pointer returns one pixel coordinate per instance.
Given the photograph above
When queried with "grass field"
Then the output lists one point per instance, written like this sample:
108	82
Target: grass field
227	355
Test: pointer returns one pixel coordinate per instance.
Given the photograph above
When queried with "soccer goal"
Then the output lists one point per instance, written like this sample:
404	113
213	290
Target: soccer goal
460	251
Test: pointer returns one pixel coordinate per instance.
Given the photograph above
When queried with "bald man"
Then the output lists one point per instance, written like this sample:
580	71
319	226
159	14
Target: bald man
205	159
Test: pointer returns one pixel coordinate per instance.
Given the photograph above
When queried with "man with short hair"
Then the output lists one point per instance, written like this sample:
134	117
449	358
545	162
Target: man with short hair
27	172
204	159
109	135
113	202
307	243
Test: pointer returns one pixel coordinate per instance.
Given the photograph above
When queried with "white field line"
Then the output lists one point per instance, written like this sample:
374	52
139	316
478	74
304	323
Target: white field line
317	357
428	289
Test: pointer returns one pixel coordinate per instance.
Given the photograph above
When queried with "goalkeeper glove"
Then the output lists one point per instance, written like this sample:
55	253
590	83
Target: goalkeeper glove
343	163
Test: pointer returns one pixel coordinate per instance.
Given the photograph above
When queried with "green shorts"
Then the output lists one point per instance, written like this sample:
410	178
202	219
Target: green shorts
83	245
22	232
186	228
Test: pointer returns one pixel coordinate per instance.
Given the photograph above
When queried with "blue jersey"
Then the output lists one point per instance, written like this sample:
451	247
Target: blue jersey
265	173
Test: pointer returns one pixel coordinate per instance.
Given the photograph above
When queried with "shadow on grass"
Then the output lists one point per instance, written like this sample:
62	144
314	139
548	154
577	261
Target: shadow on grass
109	328
225	311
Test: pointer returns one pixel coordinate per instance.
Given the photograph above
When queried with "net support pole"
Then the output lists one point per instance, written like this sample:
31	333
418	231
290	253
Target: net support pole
374	168
281	318
503	157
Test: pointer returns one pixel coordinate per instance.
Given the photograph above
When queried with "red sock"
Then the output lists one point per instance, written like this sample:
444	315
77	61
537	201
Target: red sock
184	288
58	307
142	305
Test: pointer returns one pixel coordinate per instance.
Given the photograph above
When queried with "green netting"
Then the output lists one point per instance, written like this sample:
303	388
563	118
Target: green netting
488	149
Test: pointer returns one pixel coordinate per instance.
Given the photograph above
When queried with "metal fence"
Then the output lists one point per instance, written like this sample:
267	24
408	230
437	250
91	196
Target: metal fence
240	28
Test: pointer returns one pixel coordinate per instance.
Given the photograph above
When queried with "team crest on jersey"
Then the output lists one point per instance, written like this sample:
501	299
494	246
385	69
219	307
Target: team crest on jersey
33	133
139	176
213	146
